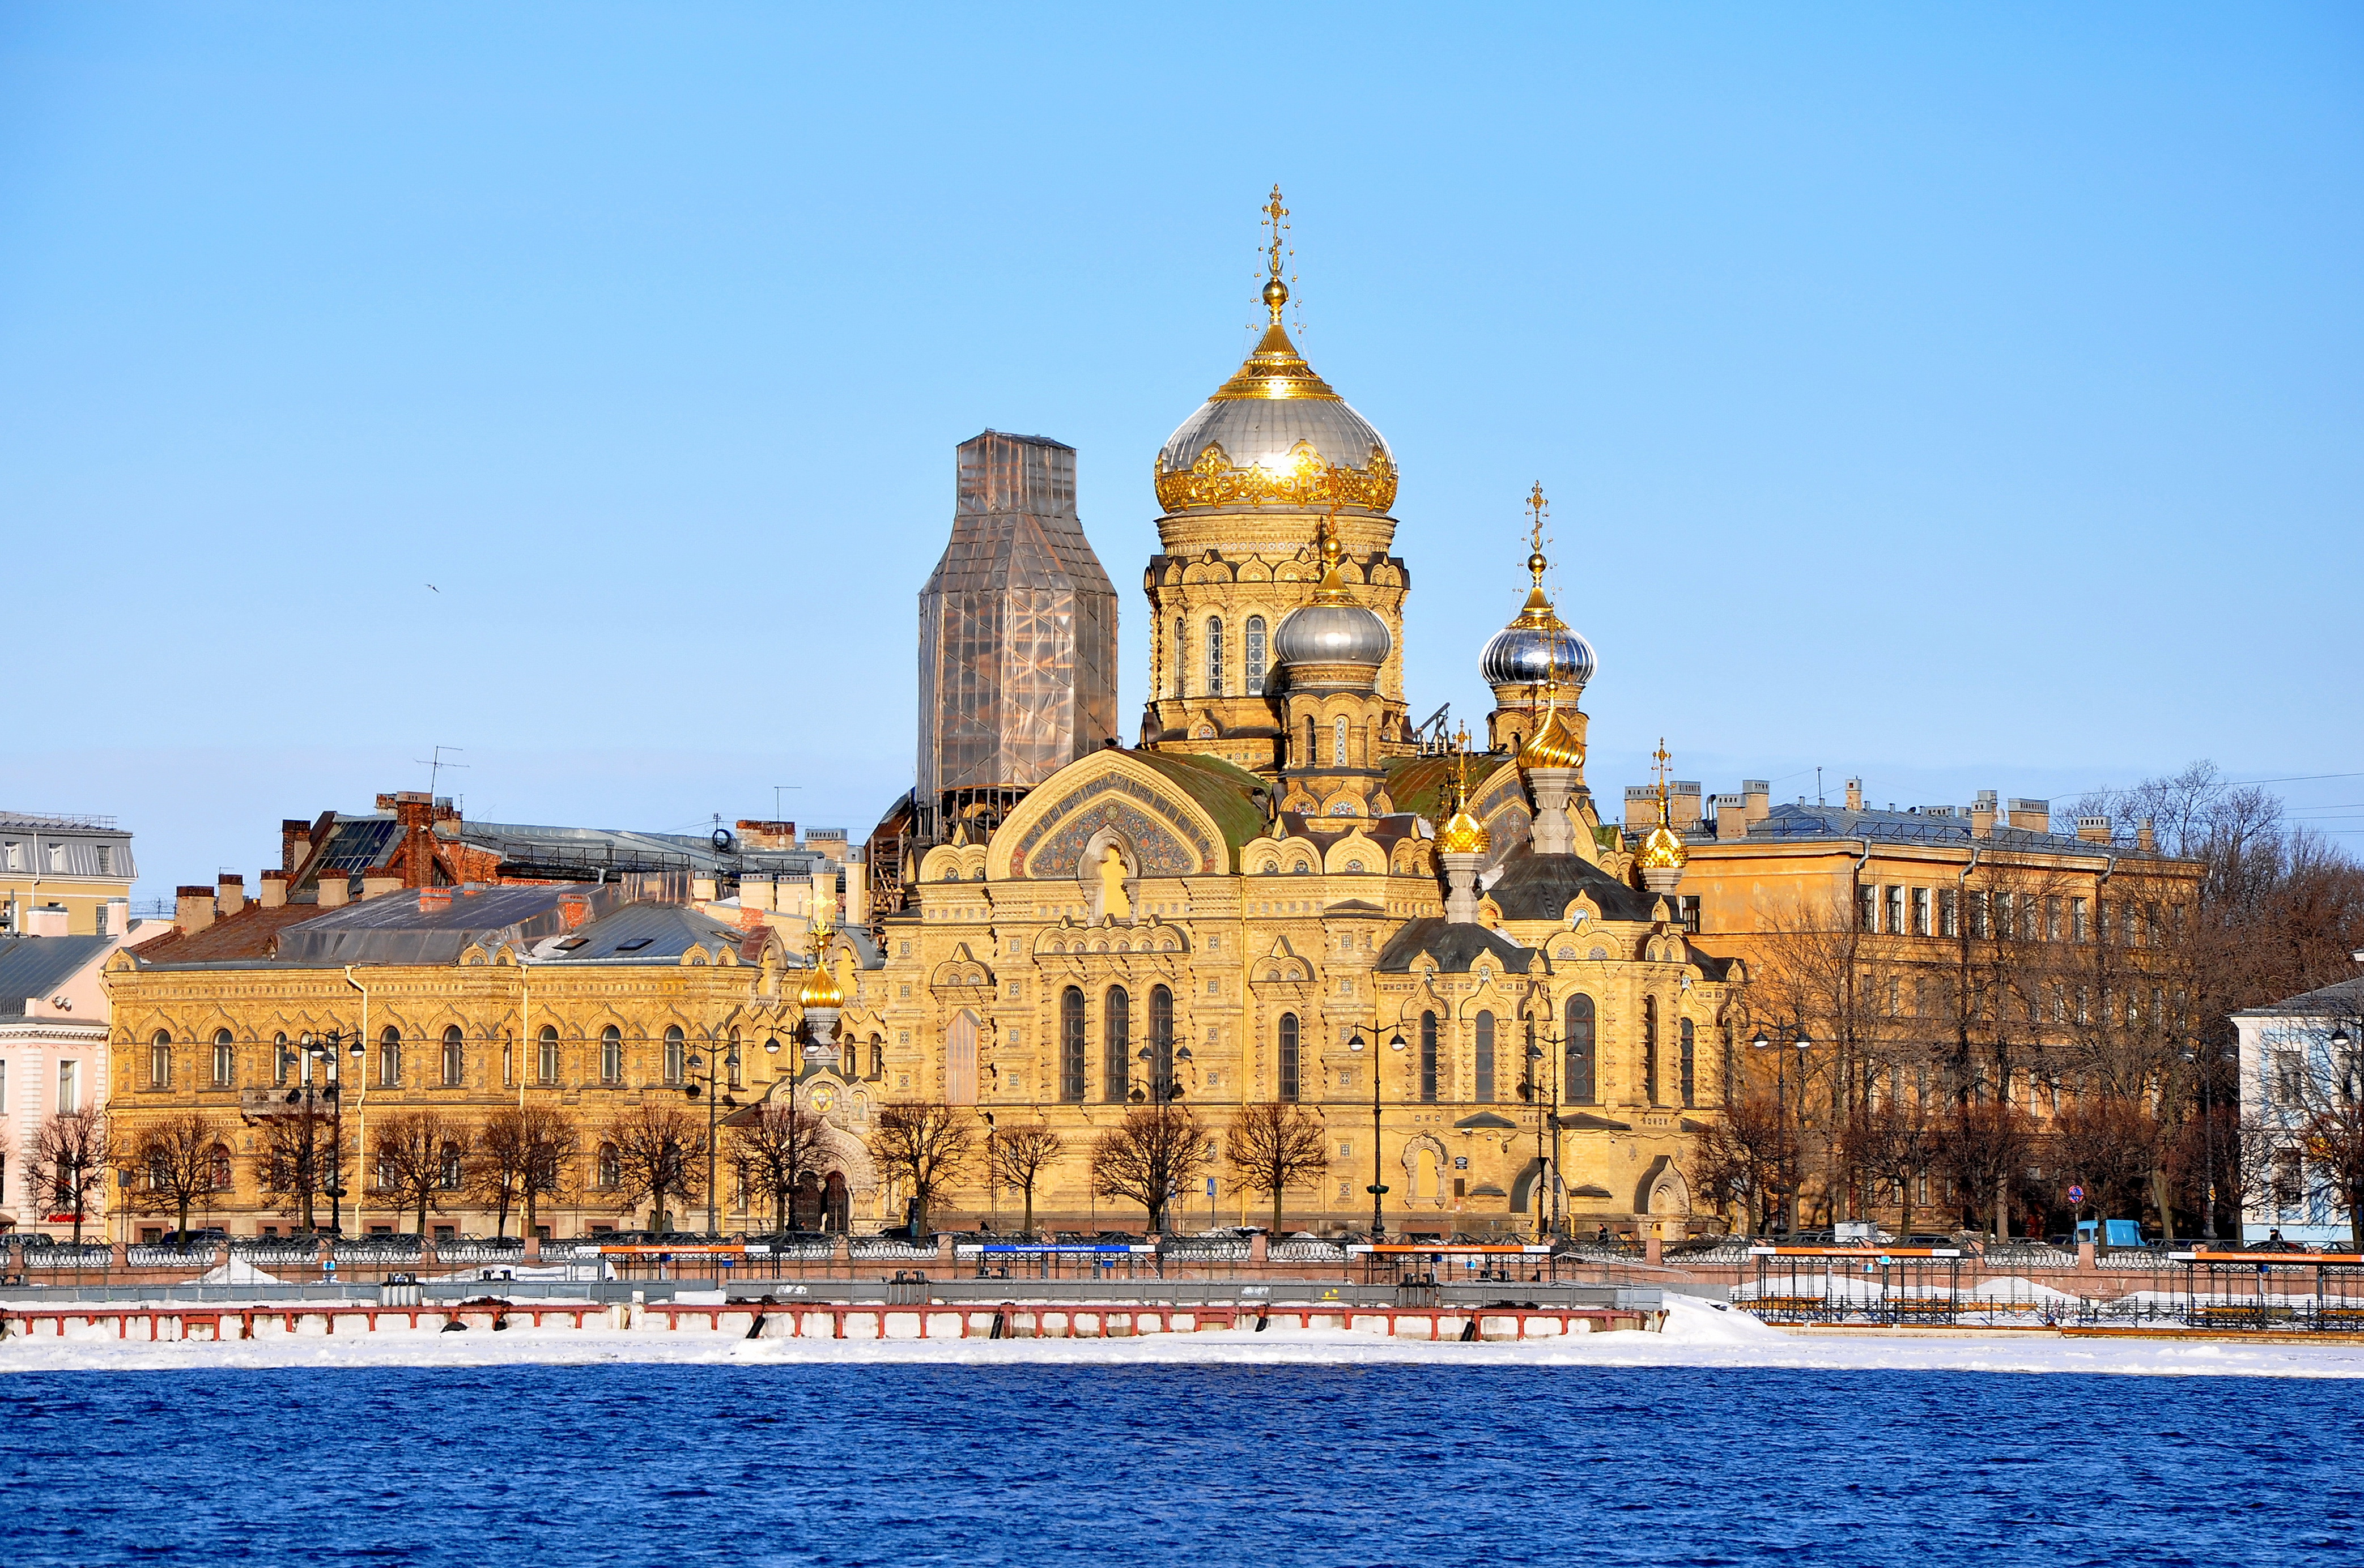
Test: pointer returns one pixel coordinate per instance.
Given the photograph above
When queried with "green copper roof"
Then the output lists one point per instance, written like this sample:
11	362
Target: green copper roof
1226	791
1425	784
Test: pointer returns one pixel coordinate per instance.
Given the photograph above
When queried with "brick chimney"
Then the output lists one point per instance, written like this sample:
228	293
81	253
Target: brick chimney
1854	795
378	882
2093	830
432	900
294	844
229	895
193	909
767	835
45	920
274	892
1640	808
2147	837
573	908
2034	816
336	889
1683	804
1982	815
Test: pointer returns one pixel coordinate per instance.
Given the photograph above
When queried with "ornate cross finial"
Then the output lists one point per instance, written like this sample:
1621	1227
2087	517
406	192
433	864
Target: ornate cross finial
1540	508
1276	215
1664	757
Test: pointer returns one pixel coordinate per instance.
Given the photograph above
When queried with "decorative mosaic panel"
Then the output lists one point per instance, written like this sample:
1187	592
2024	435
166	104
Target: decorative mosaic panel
1068	826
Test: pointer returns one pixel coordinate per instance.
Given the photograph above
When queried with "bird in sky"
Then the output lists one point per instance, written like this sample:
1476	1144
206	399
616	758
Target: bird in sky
433	589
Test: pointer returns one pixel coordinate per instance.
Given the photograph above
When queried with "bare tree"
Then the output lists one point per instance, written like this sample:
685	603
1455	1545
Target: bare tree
524	1154
1149	1157
1745	1158
68	1162
776	1149
925	1147
300	1160
1020	1156
174	1163
660	1152
1984	1145
1888	1143
421	1156
2108	1145
1275	1147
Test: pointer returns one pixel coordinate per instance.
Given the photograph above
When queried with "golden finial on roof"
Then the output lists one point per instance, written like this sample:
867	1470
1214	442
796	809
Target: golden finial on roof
1663	849
1462	833
1331	590
821	987
1553	745
1275	292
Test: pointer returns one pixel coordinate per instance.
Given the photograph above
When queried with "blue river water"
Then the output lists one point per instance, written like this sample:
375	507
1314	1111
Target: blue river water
1189	1464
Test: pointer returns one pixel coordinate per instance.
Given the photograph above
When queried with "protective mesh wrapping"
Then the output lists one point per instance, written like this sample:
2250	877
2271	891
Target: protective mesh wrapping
1017	627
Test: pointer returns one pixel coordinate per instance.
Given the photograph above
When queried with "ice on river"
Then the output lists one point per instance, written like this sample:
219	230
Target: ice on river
1696	1334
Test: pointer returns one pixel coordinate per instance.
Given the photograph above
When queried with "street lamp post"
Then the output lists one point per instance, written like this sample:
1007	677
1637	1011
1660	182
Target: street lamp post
1540	1082
324	1049
1781	1112
1378	1189
714	1061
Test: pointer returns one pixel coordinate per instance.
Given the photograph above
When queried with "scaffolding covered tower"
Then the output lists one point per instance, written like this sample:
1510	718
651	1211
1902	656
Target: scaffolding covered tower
1018	656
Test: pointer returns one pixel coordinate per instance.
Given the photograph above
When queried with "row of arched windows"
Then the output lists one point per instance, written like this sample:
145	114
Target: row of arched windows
1578	1082
1254	642
1117	1054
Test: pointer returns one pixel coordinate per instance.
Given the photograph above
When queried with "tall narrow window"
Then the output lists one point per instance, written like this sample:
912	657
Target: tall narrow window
1921	925
1896	911
1254	665
1312	756
1116	1045
159	1061
279	1059
1485	1058
1578	1085
69	1087
611	1055
546	1067
1071	1045
1428	1058
877	1056
1161	1042
1338	741
389	1058
1181	658
1291	1058
225	1059
675	1050
1214	656
1867	908
455	1057
1690	1065
1650	1048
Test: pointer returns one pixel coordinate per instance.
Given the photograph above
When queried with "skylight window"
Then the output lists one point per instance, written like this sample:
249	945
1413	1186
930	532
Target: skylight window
635	945
571	943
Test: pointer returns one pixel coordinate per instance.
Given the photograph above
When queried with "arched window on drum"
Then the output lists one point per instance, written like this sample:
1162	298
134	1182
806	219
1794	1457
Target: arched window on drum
1214	656
1253	666
1116	1045
1291	1058
1071	1045
1577	1086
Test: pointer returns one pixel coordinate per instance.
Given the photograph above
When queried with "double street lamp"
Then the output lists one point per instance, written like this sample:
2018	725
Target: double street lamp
1781	1107
324	1049
1378	1189
1546	1171
715	1063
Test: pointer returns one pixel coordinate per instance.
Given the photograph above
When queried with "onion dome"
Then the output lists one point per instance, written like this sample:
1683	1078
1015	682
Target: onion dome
1276	434
1553	745
1462	833
1333	629
1663	850
1537	649
820	988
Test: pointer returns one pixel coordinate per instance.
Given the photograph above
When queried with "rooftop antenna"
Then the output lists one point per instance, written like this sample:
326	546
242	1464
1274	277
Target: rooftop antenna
1818	785
436	765
775	798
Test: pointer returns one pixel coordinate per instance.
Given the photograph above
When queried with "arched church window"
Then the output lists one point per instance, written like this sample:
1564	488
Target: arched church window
455	1057
1181	658
1116	1044
1338	743
1214	656
1071	1045
1254	668
1161	1041
1577	1086
1428	1058
1485	1058
1291	1057
1650	1048
1689	1064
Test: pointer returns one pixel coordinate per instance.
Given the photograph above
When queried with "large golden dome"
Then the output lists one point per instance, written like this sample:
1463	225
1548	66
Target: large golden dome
1276	435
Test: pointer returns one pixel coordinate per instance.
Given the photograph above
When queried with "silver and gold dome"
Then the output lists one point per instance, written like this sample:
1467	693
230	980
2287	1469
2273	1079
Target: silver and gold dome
1332	628
1276	435
1537	649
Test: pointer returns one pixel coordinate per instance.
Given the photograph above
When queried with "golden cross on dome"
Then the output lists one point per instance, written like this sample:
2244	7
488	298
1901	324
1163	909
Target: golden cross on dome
1274	214
1664	756
1536	503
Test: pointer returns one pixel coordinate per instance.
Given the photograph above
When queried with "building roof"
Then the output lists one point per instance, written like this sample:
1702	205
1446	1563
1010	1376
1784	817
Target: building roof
1812	822
528	849
250	934
2344	999
1455	946
1228	792
1541	887
649	932
1423	785
33	968
437	927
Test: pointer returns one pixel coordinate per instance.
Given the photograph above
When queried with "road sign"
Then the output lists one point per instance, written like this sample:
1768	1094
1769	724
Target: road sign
2076	1195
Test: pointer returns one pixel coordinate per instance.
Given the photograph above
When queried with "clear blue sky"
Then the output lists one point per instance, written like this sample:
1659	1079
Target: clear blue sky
1960	396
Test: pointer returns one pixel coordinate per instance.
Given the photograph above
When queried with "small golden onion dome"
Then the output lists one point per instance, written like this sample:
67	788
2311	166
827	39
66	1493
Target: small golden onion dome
1663	850
820	989
1462	835
1552	746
